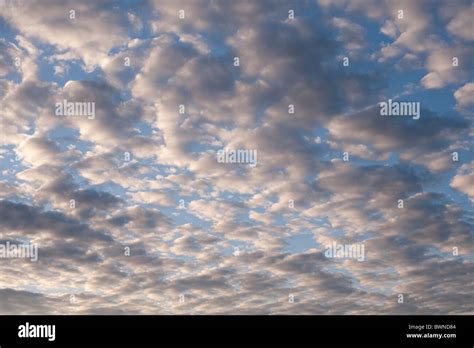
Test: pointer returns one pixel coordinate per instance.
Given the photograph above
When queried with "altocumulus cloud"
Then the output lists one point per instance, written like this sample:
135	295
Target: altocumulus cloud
132	212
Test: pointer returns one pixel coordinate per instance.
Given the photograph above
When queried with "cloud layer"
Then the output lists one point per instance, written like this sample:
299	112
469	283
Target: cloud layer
133	213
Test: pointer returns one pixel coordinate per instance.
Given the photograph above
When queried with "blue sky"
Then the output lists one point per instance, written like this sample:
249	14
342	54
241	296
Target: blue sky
131	208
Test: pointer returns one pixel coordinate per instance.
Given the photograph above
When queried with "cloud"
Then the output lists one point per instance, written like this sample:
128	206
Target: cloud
464	96
461	24
21	217
464	180
88	32
133	213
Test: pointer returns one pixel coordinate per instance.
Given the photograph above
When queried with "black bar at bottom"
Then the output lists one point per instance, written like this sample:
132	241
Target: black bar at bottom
191	331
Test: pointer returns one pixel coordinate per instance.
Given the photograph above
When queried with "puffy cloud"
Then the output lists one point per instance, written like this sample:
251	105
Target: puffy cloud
464	180
37	151
429	133
465	96
351	33
87	30
461	24
8	53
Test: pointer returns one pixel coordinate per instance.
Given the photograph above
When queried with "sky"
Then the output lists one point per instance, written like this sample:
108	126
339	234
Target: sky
332	206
